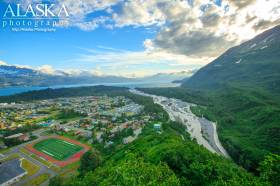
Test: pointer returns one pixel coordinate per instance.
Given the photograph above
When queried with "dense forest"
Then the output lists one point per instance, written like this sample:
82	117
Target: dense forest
63	92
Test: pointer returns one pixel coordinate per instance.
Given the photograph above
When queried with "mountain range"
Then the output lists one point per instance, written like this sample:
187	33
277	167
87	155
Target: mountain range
22	76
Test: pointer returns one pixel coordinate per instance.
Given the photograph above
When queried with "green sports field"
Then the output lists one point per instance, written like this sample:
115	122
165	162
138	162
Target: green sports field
57	148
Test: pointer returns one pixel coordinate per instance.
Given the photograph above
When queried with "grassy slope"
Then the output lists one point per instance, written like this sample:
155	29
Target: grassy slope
191	163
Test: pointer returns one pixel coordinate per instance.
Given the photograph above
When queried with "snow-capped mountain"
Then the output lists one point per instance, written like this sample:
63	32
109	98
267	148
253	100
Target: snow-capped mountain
22	76
14	70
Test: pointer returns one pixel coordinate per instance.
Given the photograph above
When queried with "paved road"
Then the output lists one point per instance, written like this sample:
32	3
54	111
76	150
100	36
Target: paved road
15	149
201	129
43	168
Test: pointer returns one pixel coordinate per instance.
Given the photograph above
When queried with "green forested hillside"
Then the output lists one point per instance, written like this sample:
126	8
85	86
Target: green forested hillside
165	159
63	92
245	86
241	91
248	121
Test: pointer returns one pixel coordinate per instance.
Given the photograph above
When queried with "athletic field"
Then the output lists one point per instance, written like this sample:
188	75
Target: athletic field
57	148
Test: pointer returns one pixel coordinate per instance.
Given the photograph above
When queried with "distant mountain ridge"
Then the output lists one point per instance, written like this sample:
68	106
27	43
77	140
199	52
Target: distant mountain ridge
12	70
22	76
169	77
253	63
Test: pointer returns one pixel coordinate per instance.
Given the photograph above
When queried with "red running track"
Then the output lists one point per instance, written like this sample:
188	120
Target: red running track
70	160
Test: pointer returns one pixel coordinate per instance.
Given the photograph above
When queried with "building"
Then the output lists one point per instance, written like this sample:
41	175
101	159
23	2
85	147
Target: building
19	136
109	144
11	172
86	134
137	132
65	129
157	127
2	125
99	136
2	145
128	139
56	126
46	124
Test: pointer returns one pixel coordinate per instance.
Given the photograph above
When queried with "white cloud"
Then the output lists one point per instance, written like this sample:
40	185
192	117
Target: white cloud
97	71
232	21
47	69
139	13
78	72
132	58
22	66
148	44
91	25
203	28
18	66
125	63
3	63
79	9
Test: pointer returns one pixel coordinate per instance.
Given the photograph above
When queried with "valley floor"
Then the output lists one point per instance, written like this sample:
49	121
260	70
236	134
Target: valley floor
201	129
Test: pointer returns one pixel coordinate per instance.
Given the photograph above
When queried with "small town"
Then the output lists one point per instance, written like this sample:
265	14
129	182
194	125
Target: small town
100	121
104	118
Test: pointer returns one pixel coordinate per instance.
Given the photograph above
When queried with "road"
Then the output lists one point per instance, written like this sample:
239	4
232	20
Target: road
203	130
43	168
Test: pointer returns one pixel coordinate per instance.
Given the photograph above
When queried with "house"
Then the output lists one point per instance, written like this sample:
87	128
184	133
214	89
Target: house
90	127
46	124
99	136
2	125
157	127
19	136
128	139
137	132
109	144
65	129
115	129
2	145
86	134
114	119
56	126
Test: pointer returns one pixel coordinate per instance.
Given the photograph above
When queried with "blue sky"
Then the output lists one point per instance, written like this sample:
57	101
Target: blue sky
57	49
135	38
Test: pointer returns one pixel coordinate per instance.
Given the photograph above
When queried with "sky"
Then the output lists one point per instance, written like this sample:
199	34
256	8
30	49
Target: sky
135	38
